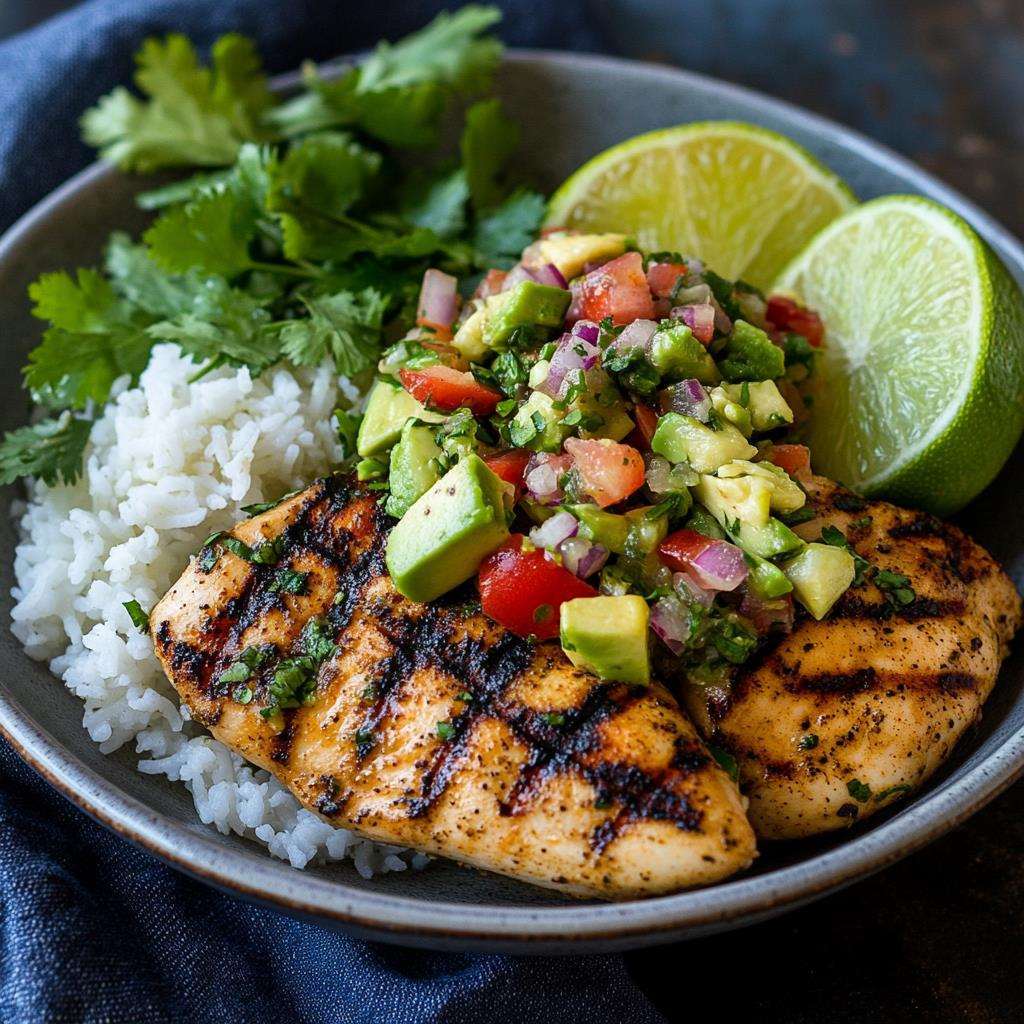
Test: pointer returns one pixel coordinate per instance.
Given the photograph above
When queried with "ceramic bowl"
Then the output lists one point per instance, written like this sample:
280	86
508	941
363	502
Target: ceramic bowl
570	107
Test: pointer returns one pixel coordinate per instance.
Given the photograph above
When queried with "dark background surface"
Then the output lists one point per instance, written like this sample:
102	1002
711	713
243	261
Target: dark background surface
939	937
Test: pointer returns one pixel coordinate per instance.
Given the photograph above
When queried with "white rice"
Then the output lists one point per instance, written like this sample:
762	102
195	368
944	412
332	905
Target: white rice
167	464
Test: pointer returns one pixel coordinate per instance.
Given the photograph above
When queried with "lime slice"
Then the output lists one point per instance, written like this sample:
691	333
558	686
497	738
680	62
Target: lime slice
741	198
921	390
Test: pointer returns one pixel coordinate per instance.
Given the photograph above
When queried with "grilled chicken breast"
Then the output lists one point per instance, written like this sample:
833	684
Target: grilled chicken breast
432	727
841	717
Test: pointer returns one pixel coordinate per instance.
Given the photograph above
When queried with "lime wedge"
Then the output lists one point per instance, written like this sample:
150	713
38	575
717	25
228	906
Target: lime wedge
741	198
921	389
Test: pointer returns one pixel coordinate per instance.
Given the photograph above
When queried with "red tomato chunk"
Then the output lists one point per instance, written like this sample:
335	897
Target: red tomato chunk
441	387
524	590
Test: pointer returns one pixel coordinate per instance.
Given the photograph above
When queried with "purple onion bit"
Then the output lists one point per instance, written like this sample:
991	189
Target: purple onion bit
587	330
637	335
582	557
561	526
670	621
690	591
700	318
541	477
572	354
720	566
550	275
688	398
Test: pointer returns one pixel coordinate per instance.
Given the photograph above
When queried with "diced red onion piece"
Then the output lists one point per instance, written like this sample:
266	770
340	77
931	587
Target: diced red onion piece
690	591
753	308
696	295
720	566
438	301
550	275
637	334
700	318
689	398
582	557
517	275
657	473
572	354
587	330
561	526
671	623
541	477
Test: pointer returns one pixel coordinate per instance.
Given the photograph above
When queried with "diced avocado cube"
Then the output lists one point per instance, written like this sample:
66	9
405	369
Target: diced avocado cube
414	467
685	439
441	541
730	409
600	409
677	354
527	304
820	574
617	532
469	338
765	405
608	636
747	499
765	580
602	527
784	494
750	355
538	425
387	410
766	541
571	253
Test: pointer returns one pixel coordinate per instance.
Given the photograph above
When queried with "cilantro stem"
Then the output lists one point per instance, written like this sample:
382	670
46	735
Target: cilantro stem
282	268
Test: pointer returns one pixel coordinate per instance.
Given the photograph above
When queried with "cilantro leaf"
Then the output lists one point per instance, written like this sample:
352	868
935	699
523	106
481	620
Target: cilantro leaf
93	340
194	116
503	232
50	450
345	326
436	202
181	191
400	92
70	369
325	173
83	303
141	283
448	51
488	140
211	233
225	325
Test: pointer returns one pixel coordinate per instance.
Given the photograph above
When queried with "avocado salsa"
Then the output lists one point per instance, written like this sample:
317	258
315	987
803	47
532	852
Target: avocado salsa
602	437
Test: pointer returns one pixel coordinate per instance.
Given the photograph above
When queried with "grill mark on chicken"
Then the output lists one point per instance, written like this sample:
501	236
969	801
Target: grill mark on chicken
588	737
852	606
865	679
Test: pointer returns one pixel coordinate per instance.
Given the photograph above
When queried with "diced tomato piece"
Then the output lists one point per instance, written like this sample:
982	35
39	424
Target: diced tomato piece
491	283
662	278
441	387
510	466
788	315
524	590
646	422
608	472
679	549
795	459
617	289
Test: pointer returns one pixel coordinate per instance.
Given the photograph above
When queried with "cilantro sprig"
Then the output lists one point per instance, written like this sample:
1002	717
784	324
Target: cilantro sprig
298	236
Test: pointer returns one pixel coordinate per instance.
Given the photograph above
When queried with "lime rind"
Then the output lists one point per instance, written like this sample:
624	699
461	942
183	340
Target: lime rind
921	396
742	198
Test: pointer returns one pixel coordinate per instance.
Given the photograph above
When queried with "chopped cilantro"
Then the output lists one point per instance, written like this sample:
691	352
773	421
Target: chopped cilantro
860	791
138	615
445	730
553	718
808	741
726	761
288	581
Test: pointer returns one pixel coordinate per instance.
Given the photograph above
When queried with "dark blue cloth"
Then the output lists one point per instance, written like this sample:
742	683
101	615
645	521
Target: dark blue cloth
94	929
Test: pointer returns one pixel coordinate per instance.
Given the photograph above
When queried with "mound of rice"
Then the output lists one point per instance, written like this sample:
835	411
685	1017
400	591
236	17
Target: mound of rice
168	463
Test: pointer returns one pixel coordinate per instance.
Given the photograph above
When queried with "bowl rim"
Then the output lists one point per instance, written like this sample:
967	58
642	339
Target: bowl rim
592	927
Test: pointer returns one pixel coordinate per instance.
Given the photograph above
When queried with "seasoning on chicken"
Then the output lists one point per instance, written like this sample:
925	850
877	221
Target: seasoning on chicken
432	727
833	722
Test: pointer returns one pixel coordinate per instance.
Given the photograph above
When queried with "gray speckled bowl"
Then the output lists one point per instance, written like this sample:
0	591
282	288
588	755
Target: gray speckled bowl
571	107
